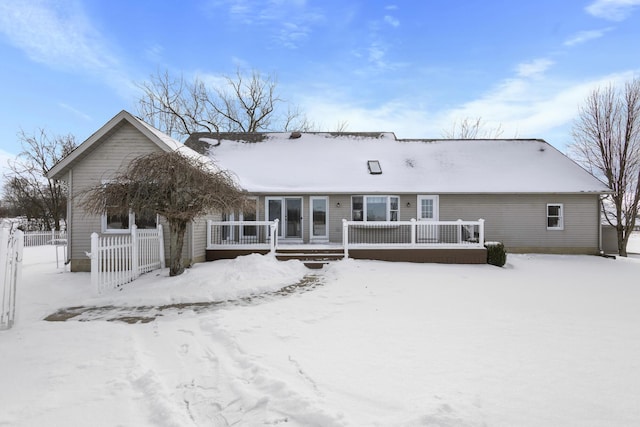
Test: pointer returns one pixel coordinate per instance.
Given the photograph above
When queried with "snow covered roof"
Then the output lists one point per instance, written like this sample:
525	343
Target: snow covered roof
162	140
338	163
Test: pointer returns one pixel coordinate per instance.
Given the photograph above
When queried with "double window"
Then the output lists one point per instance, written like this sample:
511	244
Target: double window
555	216
115	221
375	208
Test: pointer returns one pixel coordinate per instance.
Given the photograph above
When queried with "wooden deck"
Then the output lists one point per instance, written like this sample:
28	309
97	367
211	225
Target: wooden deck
317	255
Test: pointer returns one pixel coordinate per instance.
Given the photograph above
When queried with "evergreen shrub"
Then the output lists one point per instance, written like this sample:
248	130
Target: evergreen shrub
496	253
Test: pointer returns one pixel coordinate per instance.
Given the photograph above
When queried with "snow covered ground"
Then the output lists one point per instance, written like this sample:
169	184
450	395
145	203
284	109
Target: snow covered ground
545	341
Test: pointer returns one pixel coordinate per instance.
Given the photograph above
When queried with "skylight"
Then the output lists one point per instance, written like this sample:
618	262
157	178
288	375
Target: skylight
374	167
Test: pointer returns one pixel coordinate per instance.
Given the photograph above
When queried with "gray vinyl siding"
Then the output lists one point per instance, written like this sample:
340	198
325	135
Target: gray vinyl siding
199	242
517	220
122	145
520	221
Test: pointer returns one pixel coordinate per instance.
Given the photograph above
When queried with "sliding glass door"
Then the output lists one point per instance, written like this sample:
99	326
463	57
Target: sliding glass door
288	211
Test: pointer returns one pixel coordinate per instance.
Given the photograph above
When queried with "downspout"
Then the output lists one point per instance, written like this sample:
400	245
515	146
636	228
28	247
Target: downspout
599	211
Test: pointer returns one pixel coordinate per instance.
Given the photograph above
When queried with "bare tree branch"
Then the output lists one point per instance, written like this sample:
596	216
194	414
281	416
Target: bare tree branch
26	187
238	104
470	128
178	187
607	143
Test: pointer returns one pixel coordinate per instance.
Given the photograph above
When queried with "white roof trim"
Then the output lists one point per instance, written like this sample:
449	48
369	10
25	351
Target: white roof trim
165	142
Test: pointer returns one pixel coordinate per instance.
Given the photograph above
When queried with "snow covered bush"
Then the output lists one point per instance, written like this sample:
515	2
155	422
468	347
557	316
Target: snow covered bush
496	253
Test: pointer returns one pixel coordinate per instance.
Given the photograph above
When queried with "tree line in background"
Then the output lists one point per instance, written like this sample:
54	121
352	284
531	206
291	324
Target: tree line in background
40	202
606	139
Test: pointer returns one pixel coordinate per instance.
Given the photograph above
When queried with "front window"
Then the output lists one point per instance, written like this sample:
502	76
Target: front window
250	214
146	219
116	221
555	216
375	208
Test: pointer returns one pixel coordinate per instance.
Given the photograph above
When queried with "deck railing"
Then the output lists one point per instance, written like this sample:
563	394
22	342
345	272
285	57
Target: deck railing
424	234
242	235
355	234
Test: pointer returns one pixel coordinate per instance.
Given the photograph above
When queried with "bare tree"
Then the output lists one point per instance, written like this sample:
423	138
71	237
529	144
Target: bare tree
26	186
342	126
178	187
606	138
470	128
242	103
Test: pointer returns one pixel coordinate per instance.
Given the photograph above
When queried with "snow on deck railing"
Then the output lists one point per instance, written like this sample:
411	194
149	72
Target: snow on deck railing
118	259
11	244
242	234
407	234
42	238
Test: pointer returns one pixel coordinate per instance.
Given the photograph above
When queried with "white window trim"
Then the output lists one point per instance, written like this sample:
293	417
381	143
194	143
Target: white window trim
324	237
106	230
132	220
104	224
436	206
560	217
364	206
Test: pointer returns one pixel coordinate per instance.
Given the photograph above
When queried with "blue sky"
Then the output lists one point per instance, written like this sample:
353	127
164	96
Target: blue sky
412	67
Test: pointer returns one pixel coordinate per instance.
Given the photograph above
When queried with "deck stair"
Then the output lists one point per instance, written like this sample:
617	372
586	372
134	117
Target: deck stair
311	257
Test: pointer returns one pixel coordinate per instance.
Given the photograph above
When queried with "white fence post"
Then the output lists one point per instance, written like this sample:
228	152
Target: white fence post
413	231
274	235
481	232
11	246
95	262
17	271
161	248
209	238
135	252
345	237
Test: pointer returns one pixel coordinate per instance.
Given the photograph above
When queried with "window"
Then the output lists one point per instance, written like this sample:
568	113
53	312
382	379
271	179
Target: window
115	221
374	167
555	216
249	214
375	208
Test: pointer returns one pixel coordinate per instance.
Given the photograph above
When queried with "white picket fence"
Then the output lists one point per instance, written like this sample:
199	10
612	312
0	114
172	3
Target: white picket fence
121	258
41	238
11	244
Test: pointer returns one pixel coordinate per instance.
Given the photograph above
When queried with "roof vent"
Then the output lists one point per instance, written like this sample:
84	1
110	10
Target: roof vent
374	167
295	135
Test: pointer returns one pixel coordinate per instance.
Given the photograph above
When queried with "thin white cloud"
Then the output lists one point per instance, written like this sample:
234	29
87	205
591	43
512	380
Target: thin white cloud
391	21
154	53
240	63
612	10
56	35
521	107
290	21
376	54
533	68
75	111
61	36
585	36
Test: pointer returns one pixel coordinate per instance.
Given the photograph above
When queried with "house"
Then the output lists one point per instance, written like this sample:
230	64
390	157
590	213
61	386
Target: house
531	197
105	153
366	195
